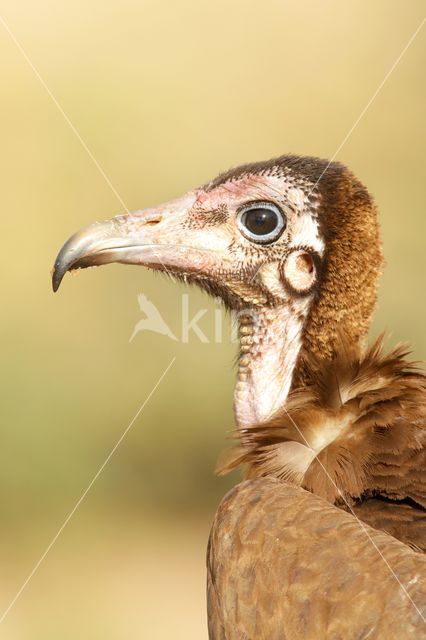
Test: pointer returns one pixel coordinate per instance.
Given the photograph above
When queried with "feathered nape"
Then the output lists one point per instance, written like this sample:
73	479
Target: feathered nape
360	411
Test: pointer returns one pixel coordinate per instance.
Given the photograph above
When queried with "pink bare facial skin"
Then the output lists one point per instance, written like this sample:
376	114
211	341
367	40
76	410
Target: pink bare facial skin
200	237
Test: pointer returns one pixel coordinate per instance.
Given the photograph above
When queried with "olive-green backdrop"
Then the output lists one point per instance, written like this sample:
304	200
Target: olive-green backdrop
164	94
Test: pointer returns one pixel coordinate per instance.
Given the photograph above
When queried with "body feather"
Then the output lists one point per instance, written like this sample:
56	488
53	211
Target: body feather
356	434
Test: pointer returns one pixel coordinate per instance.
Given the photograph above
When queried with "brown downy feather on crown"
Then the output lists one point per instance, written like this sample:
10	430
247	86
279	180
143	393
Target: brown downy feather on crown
357	430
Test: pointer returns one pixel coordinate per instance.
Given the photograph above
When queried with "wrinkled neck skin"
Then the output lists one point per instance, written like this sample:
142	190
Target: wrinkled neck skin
270	339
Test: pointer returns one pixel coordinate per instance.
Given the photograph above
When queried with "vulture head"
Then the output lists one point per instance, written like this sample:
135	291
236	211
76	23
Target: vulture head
291	245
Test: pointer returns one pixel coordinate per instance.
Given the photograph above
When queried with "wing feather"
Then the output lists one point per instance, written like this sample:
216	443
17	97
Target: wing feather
284	564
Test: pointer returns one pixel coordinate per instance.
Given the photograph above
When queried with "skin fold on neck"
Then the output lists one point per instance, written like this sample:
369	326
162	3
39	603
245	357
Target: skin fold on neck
270	339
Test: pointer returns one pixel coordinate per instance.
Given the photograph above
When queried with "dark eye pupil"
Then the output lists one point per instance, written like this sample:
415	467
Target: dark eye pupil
260	221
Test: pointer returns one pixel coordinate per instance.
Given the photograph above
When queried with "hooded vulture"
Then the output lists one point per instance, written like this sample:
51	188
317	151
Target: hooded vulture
325	538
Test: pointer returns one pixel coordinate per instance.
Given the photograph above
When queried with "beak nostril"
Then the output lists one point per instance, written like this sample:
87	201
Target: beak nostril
154	220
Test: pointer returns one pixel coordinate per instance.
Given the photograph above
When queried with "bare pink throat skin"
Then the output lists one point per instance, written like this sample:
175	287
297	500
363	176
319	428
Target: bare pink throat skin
270	344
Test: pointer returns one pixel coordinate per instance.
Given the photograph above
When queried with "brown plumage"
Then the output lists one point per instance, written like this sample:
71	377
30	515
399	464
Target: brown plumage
283	564
355	437
324	539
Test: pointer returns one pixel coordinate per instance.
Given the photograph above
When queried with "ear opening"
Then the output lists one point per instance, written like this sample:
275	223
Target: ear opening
300	271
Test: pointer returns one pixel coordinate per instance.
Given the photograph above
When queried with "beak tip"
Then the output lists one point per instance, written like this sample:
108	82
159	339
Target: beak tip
57	275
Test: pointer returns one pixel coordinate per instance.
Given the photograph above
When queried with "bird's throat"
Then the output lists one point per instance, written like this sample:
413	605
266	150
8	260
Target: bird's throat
270	341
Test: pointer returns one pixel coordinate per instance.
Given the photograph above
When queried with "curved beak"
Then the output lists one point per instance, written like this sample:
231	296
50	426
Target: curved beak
93	245
157	238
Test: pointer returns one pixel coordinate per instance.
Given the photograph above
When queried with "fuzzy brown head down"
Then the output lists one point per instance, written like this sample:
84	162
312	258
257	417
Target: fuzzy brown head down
352	265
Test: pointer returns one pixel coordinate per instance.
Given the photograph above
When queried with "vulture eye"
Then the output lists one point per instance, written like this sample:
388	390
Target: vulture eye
262	222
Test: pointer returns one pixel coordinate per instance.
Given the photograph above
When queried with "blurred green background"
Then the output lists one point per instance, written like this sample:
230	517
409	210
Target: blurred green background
165	94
